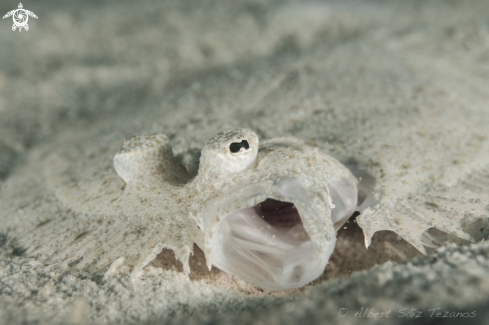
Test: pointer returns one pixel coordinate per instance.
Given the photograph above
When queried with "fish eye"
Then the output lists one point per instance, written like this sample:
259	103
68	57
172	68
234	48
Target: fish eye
231	151
236	146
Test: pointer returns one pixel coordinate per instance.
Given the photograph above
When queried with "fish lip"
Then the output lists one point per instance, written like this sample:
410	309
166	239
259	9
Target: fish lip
296	190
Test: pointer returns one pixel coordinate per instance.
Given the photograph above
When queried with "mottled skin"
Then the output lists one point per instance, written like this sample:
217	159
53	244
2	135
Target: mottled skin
108	221
75	210
221	175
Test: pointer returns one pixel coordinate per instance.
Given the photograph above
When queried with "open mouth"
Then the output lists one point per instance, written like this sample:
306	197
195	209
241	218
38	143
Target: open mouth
268	245
265	237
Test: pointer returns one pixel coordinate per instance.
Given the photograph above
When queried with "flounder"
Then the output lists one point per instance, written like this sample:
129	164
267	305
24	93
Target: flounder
266	214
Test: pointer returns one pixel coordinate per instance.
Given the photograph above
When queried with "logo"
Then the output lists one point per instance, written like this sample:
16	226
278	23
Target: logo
342	312
20	17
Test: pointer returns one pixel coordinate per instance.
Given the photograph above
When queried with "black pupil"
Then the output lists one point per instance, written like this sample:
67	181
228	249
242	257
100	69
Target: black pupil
236	146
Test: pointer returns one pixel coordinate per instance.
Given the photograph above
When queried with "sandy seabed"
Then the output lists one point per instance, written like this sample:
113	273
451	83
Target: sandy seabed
400	88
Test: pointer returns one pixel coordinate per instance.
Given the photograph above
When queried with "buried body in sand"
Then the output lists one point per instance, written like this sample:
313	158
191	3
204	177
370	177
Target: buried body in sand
353	91
266	213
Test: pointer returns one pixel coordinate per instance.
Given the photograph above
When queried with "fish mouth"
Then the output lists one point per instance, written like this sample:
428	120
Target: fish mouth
274	234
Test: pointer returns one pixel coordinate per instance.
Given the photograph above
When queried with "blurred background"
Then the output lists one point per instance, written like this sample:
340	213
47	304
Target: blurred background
86	61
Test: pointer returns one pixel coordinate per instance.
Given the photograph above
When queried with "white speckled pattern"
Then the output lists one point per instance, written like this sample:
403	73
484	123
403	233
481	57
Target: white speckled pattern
157	204
234	175
398	88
